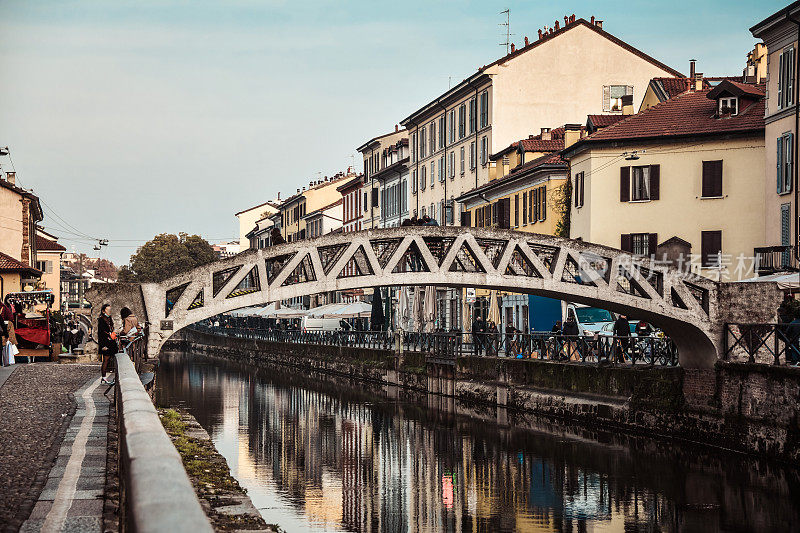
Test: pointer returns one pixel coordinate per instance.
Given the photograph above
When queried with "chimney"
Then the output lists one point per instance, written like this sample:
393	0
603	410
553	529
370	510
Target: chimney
513	48
396	128
592	20
572	18
627	104
526	40
546	136
692	63
11	177
279	195
599	24
698	81
566	20
556	25
572	132
540	34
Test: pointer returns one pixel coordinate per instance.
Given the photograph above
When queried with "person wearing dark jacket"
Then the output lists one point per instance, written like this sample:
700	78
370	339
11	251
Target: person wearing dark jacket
478	329
622	332
106	340
571	331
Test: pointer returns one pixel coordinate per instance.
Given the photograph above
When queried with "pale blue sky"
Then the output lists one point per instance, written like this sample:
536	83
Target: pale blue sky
131	118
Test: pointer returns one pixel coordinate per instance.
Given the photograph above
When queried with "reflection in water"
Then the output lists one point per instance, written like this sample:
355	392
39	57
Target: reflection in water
324	456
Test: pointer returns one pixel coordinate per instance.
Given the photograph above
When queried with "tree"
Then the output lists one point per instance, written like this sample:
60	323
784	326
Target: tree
562	203
103	268
166	255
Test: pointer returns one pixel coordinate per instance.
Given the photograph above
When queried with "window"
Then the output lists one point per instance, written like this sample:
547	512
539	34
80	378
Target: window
728	105
432	212
612	97
403	197
710	248
442	168
639	243
414	147
462	121
452	129
366	204
639	183
423	178
579	189
433	136
433	173
484	109
524	209
451	170
786	78
462	160
535	202
530	207
543	203
422	143
712	179
784	163
484	150
414	183
516	210
472	155
473	115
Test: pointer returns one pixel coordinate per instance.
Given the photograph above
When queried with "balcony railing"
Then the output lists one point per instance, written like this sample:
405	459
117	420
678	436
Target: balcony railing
771	259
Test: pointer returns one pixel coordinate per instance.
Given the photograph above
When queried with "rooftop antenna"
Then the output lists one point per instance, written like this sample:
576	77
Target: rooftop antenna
507	24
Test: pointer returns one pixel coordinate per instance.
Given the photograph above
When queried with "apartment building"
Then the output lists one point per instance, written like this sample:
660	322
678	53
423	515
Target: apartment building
385	166
559	78
319	194
22	212
249	218
780	244
354	204
688	170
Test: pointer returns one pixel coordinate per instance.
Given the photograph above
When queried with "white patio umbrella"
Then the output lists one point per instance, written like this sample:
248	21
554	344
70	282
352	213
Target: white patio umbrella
403	312
417	314
430	308
494	310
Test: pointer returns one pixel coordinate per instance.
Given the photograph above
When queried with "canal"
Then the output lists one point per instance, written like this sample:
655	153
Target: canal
320	454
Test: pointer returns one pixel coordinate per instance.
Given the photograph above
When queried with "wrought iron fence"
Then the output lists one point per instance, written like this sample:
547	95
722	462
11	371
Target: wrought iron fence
448	346
768	343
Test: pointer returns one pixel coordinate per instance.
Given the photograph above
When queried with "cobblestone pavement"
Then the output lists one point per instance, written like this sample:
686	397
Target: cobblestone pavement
36	406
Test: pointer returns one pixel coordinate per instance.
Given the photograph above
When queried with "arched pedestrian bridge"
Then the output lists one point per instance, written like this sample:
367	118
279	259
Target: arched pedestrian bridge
685	307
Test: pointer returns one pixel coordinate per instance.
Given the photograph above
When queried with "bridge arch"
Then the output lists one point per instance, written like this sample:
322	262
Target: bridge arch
684	306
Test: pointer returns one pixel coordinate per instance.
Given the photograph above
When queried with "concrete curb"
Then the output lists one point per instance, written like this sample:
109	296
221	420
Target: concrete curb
156	494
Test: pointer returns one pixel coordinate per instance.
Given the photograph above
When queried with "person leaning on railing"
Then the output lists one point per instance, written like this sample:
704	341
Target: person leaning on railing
106	340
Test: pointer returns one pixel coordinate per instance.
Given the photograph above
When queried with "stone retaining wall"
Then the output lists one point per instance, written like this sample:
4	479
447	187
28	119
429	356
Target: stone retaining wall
748	408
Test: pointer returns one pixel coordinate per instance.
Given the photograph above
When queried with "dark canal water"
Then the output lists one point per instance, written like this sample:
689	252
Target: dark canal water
320	455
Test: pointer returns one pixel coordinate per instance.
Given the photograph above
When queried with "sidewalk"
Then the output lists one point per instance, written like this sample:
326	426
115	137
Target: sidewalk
53	467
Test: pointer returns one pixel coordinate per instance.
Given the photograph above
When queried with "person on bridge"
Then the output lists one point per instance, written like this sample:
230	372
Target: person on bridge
106	339
130	324
478	329
622	332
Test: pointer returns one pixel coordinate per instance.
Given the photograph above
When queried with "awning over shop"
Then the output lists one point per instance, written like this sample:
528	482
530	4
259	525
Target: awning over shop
787	281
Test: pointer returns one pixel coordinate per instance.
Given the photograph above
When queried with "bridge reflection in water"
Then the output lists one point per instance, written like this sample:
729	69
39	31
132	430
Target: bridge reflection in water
316	454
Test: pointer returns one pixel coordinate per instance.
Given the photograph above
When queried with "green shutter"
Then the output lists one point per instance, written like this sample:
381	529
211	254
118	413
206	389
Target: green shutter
779	170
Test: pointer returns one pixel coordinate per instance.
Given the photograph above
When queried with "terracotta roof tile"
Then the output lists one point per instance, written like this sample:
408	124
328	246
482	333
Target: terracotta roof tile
9	264
547	159
601	121
542	145
47	245
690	113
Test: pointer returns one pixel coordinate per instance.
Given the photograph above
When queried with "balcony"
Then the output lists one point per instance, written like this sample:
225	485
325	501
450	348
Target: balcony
772	259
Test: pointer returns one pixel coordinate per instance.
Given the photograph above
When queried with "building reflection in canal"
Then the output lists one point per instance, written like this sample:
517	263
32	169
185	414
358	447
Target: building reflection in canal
317	455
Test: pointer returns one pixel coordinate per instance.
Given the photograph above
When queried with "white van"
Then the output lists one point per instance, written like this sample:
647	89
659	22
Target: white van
590	319
310	323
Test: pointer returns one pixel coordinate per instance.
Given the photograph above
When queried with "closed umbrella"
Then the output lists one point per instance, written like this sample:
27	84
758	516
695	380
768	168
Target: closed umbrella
417	308
430	308
403	309
494	310
376	318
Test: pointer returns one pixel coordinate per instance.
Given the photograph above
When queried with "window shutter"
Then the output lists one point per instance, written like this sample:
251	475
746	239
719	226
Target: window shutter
375	197
717	178
779	159
625	184
629	89
583	180
544	201
466	218
606	98
655	182
652	243
576	190
781	81
788	176
710	246
535	204
789	90
625	244
504	213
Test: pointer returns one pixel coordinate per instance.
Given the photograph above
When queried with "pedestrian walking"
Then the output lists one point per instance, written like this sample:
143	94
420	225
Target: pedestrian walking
622	333
106	339
570	332
477	334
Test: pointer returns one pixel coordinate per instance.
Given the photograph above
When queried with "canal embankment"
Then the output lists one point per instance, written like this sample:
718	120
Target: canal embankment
748	408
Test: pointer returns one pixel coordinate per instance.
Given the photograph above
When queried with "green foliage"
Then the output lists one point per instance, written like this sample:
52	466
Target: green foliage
790	308
165	256
562	201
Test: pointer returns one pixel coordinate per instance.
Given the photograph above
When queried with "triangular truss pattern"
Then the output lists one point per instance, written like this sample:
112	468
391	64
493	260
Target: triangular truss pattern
328	255
700	294
628	284
197	302
357	265
466	260
412	260
548	255
222	277
654	278
677	301
439	247
385	249
172	298
573	273
303	273
250	283
275	266
493	249
520	265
